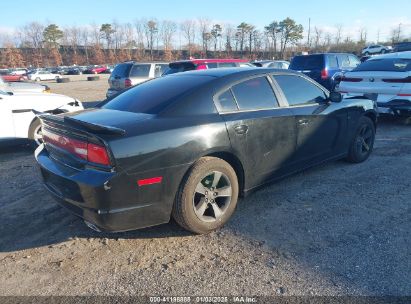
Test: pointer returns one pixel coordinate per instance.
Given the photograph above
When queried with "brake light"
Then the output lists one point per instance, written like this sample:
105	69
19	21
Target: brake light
97	154
404	95
398	80
201	67
127	83
351	79
324	73
87	151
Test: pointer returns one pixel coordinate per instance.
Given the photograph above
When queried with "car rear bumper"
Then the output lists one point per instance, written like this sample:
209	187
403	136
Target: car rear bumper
101	198
112	92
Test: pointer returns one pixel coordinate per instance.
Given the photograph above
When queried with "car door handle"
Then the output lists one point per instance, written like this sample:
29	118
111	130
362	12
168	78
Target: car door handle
241	129
303	122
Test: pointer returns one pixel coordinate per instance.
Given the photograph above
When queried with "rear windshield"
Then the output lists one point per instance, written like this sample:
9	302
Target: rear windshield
122	70
310	62
180	67
154	96
385	65
140	70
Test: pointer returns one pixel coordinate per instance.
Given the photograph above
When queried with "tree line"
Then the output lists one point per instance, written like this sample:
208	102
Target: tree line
37	44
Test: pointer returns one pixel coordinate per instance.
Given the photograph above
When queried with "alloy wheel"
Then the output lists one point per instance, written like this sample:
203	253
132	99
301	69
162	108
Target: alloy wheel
212	196
364	140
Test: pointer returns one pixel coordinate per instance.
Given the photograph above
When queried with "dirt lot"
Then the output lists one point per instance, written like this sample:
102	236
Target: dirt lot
339	229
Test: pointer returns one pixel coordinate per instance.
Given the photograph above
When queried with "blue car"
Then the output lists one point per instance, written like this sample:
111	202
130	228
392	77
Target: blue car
325	68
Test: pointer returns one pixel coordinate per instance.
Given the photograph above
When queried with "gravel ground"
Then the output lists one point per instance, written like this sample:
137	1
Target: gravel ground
339	229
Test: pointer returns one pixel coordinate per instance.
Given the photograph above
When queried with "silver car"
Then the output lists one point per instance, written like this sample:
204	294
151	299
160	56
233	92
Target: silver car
128	74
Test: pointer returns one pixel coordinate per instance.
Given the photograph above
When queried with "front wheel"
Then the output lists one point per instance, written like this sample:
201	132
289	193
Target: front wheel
35	132
363	142
207	197
37	79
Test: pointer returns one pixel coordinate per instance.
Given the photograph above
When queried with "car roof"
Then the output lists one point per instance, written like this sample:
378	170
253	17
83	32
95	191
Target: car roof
224	72
200	61
400	55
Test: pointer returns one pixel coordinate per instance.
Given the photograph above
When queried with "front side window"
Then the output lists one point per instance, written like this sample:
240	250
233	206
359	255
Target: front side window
254	94
160	69
299	91
140	70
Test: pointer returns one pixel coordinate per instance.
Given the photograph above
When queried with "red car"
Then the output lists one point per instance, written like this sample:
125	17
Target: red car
95	69
13	77
203	64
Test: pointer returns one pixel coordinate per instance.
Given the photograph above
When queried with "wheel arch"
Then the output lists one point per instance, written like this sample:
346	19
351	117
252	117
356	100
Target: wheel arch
373	116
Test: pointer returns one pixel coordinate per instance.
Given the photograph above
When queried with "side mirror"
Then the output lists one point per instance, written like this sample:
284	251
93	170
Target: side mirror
335	97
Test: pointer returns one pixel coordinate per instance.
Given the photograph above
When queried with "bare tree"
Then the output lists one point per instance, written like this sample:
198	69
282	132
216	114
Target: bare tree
338	34
318	36
151	31
188	28
167	31
139	27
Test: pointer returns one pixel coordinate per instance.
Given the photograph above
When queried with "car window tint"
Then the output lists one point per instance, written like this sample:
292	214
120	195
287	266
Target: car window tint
332	62
226	102
227	65
140	70
155	95
178	67
298	90
307	62
160	69
254	94
122	70
212	65
344	61
386	65
354	62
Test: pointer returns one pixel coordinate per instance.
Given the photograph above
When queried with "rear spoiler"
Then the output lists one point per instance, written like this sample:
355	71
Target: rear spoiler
75	123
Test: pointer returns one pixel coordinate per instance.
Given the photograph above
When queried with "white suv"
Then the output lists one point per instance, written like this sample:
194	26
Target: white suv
376	49
43	75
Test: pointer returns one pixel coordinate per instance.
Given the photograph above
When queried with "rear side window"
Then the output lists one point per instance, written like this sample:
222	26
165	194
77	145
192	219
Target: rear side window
154	96
227	65
309	62
180	67
332	62
212	65
344	61
386	65
299	91
160	69
122	70
226	102
254	94
140	70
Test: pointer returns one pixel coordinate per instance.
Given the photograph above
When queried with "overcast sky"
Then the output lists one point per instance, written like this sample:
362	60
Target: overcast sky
377	16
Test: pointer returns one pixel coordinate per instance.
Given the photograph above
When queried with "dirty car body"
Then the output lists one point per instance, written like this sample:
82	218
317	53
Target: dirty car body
137	148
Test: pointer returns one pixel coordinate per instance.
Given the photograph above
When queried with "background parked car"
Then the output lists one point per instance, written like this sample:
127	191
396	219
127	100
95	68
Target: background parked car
14	87
402	47
128	74
203	64
386	79
325	68
275	64
17	120
96	69
376	49
42	75
10	77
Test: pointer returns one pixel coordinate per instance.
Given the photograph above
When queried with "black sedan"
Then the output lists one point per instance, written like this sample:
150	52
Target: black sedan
188	145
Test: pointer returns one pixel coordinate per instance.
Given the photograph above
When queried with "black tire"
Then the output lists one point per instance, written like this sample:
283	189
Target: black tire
363	142
37	79
184	206
63	80
93	78
34	127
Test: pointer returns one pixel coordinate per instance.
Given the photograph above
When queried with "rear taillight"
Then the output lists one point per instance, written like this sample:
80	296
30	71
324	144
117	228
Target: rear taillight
87	151
201	67
404	95
351	79
324	73
398	80
127	83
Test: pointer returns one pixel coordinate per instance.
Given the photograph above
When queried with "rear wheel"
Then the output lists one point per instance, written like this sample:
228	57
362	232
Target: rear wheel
37	79
207	197
363	142
367	54
35	133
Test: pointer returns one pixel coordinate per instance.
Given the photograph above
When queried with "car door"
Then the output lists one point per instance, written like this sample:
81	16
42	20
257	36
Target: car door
321	125
261	133
6	118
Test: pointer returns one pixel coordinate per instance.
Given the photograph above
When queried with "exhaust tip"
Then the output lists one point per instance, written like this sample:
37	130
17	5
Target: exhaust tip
92	226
